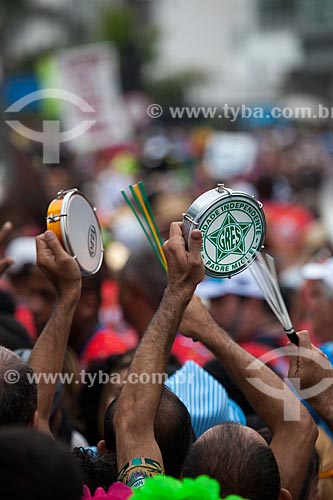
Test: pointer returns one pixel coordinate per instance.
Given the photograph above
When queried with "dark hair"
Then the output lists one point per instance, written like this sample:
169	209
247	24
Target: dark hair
12	334
35	466
94	285
144	271
313	468
243	466
173	431
90	396
100	470
7	303
18	401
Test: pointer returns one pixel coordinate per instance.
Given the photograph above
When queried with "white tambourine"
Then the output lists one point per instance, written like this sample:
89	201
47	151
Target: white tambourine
73	219
233	227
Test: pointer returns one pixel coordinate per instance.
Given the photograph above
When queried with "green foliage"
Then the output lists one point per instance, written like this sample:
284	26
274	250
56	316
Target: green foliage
120	26
172	89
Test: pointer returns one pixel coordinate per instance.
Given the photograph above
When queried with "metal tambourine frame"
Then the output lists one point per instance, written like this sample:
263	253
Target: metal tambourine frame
62	229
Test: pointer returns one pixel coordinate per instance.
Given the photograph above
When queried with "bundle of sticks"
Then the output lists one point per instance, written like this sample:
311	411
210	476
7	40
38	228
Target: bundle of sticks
264	272
143	213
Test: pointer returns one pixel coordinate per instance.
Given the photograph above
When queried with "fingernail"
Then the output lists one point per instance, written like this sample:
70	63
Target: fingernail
8	225
48	235
196	235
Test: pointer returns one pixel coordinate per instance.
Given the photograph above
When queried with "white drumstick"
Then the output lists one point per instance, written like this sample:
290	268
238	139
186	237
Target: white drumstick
264	272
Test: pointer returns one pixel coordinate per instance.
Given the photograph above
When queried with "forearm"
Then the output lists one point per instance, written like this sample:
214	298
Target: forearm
138	403
243	368
261	386
48	354
273	401
151	358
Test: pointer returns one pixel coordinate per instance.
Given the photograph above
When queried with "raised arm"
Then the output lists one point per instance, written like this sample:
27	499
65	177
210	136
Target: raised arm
140	396
310	366
48	354
273	401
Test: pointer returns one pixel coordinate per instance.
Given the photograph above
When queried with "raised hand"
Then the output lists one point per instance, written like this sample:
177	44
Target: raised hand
315	373
60	267
185	268
307	362
48	354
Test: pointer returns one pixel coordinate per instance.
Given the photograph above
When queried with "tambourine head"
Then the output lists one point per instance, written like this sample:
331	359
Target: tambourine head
233	228
73	219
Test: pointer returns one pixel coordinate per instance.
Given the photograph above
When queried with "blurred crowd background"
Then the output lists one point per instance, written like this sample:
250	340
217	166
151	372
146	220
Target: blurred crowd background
122	56
126	66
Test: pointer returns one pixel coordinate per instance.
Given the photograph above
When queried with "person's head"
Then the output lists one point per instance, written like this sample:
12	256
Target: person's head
13	335
35	466
86	313
43	298
142	284
23	251
319	278
321	310
236	304
310	486
173	431
18	392
239	459
95	396
100	471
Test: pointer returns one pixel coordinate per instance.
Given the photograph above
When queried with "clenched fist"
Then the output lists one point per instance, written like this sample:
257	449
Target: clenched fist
185	268
60	267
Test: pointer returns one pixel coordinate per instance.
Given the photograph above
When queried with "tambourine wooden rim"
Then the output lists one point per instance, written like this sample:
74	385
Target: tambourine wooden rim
233	226
57	221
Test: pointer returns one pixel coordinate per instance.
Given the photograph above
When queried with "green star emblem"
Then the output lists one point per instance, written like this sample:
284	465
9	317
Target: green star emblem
230	237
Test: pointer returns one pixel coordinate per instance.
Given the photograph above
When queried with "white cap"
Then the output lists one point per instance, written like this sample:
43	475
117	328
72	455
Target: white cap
23	251
242	284
319	271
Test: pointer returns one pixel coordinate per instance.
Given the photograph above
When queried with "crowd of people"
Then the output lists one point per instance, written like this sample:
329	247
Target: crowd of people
135	383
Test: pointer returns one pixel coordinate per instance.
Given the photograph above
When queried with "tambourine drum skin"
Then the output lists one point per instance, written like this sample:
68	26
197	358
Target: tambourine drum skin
72	218
233	227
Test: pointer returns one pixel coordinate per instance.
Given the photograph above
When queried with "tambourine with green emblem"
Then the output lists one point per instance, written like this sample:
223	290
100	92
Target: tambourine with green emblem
233	227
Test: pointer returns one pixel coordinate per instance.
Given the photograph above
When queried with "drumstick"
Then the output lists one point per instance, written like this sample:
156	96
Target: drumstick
152	225
143	203
265	275
147	205
130	204
151	215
